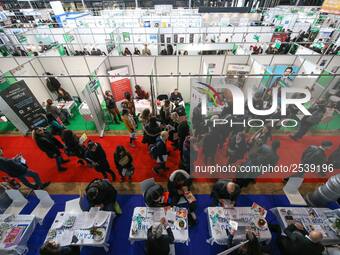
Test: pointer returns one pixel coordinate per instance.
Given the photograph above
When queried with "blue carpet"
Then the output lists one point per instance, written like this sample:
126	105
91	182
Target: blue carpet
119	244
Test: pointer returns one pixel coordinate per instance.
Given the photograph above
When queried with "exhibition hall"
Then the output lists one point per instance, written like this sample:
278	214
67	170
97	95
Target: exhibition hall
170	127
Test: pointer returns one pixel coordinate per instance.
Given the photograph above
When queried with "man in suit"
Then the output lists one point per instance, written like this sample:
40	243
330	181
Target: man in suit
299	241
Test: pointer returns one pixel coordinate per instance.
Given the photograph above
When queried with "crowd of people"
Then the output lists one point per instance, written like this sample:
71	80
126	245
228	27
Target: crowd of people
244	147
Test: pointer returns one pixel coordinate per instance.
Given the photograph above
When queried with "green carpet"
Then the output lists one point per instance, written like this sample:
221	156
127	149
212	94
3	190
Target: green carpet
6	127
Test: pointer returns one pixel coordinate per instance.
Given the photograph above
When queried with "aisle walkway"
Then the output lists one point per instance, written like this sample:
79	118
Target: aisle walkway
290	152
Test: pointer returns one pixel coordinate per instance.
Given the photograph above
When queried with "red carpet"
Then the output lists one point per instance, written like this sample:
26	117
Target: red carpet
290	152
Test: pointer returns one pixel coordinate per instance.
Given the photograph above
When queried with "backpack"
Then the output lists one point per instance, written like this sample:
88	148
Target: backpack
153	150
310	154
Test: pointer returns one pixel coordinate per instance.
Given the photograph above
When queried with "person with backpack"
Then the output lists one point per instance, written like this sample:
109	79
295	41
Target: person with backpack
314	155
308	122
124	163
159	152
334	158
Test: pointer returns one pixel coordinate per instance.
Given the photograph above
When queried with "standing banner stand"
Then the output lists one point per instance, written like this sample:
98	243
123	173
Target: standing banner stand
21	107
93	103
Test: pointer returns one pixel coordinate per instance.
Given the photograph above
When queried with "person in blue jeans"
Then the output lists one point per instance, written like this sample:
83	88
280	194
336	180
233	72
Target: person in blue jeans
17	168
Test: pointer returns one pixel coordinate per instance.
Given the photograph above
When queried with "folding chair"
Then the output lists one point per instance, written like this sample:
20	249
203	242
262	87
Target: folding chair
144	185
73	206
44	206
18	202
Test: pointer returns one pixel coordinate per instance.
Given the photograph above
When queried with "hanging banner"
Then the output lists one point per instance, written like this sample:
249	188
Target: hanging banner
24	104
120	85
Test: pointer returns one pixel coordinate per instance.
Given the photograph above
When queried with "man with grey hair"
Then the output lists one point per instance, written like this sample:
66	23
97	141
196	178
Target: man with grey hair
160	152
157	242
299	241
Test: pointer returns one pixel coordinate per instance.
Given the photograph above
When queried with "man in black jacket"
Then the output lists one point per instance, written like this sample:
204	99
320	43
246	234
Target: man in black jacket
183	130
162	152
17	168
308	122
299	241
50	145
224	190
100	193
96	157
158	243
334	158
154	196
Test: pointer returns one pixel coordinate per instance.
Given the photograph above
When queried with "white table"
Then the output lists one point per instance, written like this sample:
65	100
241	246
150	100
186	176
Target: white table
146	217
141	105
310	218
68	106
24	224
81	229
218	219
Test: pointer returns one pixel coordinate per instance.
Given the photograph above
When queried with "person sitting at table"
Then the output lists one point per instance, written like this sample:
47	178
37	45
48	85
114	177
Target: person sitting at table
141	93
151	131
158	243
155	196
252	247
224	190
124	163
96	157
179	186
299	241
51	247
72	146
55	127
56	113
176	96
100	193
63	95
112	107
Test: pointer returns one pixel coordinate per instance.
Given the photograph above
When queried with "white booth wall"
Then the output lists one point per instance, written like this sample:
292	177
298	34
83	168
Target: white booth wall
146	65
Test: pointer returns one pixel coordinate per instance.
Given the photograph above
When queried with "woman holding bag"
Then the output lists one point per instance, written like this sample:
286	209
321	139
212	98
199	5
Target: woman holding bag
124	163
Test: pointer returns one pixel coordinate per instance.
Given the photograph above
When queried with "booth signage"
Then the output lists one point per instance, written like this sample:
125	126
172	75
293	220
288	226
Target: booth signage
24	104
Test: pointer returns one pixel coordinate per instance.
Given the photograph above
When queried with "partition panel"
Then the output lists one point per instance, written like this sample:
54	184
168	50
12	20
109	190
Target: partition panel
7	63
242	60
189	64
55	66
35	84
214	60
283	60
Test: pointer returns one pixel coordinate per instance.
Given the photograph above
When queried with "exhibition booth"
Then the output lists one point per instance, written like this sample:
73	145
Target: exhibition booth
86	78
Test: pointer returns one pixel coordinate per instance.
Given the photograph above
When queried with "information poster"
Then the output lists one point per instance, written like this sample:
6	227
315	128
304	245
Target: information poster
22	101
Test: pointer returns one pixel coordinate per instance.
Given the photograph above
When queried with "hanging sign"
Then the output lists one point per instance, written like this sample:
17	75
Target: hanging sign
68	37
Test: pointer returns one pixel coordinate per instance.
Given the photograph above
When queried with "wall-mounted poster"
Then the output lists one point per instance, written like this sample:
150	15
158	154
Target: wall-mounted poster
175	38
126	36
24	104
162	38
191	38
